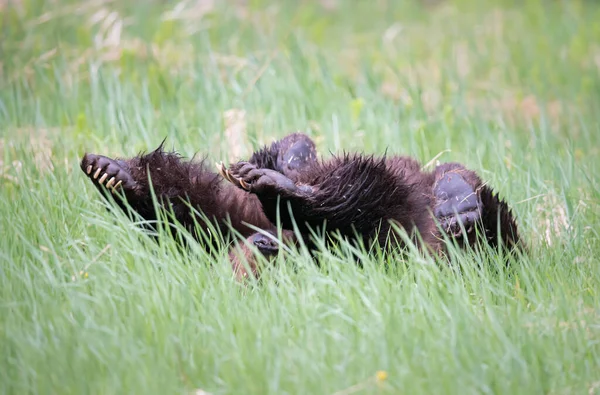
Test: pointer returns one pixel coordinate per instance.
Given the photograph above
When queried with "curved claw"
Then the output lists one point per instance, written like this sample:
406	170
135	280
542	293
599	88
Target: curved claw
237	181
244	184
117	185
231	178
221	169
103	178
226	174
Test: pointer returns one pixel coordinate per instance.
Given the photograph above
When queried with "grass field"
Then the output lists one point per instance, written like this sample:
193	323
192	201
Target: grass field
90	304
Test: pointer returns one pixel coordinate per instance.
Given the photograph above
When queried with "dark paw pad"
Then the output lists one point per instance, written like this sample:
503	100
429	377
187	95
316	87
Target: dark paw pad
456	203
247	176
297	157
267	246
108	173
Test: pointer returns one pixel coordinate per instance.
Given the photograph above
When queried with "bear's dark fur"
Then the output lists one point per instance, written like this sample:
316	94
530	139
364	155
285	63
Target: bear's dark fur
353	195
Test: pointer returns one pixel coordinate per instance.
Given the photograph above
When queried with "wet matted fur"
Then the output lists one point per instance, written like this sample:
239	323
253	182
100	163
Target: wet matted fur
355	196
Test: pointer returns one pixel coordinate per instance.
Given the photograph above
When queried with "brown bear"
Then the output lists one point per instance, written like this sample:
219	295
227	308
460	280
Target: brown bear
354	196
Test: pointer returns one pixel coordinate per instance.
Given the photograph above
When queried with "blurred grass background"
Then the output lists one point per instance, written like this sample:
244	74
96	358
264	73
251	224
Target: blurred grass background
90	305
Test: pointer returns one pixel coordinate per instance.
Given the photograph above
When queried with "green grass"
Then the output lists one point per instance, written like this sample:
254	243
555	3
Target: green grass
89	304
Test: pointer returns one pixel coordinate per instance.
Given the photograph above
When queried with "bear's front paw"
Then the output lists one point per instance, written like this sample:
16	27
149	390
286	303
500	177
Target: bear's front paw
108	173
247	176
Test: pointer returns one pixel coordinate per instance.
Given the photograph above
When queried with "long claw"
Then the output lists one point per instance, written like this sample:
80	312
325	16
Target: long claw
103	178
118	184
229	177
89	169
244	184
226	174
234	180
97	173
110	182
220	168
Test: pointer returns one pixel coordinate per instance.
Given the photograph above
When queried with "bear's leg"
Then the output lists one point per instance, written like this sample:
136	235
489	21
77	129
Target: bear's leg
353	195
457	202
463	201
182	187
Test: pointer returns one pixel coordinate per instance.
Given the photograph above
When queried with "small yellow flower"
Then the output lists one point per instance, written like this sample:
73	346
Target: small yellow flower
381	375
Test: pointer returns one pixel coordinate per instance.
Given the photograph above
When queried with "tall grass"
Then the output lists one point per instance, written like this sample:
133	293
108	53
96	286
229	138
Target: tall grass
91	304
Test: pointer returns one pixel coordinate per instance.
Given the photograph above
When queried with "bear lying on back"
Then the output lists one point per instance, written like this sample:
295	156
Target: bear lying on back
354	196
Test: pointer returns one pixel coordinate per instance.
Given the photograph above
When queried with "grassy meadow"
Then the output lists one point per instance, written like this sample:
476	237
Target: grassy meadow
91	304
